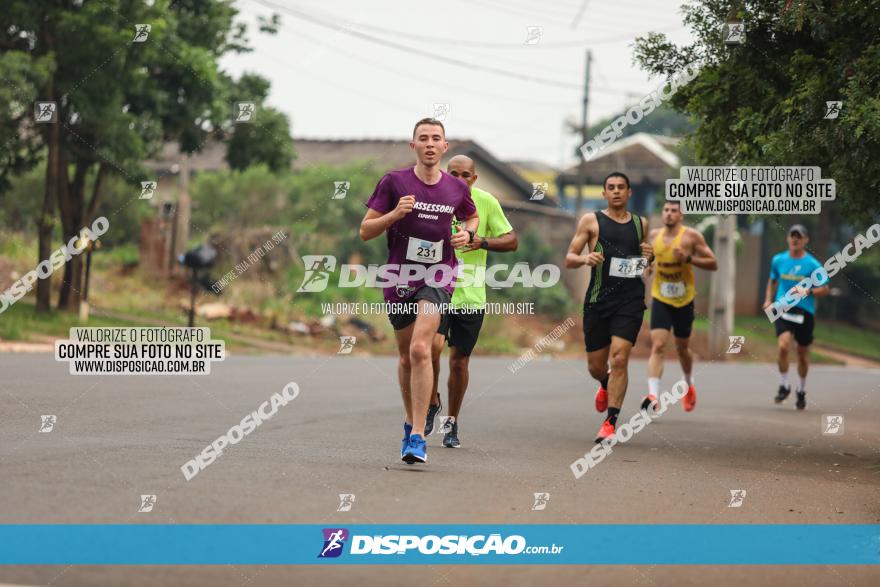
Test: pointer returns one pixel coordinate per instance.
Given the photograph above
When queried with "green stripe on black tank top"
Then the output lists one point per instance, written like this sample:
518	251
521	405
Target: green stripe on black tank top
597	276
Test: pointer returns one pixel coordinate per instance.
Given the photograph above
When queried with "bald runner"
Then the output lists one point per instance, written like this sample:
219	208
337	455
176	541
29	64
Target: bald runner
461	326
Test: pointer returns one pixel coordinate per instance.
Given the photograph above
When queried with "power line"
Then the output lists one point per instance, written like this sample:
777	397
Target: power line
519	46
460	88
416	51
437	40
508	7
433	80
543	14
470	89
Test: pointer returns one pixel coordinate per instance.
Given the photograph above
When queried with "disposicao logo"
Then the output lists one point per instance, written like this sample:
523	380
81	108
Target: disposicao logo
334	541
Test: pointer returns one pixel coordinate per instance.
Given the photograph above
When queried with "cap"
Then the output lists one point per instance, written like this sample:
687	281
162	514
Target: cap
798	228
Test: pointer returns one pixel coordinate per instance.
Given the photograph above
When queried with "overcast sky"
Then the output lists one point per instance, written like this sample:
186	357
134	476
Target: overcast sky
370	69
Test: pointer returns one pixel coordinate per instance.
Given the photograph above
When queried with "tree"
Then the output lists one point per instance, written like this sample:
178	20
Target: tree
662	121
21	142
763	102
121	91
267	138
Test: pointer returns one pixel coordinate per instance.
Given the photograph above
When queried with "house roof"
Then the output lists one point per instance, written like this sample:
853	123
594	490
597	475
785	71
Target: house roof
645	158
396	153
383	153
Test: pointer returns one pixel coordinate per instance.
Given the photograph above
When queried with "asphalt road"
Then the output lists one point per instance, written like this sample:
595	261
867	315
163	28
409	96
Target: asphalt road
119	437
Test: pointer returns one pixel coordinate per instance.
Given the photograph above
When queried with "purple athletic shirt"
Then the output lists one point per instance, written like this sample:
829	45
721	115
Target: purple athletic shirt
420	235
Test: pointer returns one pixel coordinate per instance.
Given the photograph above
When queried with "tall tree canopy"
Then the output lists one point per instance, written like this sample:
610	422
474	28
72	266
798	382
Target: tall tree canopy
763	102
121	90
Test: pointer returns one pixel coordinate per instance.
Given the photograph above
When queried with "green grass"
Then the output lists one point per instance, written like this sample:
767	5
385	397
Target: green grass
841	337
18	248
20	322
757	329
21	318
112	258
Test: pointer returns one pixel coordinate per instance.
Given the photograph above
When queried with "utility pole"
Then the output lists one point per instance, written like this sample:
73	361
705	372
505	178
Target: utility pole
582	168
722	288
182	213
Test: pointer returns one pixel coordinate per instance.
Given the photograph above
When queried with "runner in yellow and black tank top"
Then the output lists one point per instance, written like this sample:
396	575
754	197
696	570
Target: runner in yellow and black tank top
672	292
673	279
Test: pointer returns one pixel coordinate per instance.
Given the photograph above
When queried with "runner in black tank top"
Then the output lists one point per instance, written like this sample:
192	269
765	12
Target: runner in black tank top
614	305
616	240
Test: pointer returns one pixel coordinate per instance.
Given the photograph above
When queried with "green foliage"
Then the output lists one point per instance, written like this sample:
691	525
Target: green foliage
763	102
20	320
859	283
301	201
19	140
266	139
115	257
22	198
17	248
118	101
533	250
318	224
22	202
662	121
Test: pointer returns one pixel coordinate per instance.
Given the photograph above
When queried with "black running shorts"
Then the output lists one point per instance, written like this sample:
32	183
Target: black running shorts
462	329
602	321
803	333
665	316
402	314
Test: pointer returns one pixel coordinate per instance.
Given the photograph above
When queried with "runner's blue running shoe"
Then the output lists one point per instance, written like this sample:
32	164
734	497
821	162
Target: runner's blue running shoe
416	452
407	430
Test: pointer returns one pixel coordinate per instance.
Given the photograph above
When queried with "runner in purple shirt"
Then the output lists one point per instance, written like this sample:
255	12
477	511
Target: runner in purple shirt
416	206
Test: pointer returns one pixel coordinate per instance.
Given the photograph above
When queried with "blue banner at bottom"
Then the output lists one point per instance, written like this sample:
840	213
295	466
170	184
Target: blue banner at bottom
542	544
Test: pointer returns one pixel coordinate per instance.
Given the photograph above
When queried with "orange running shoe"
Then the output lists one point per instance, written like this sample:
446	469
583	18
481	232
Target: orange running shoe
605	432
601	399
690	399
650	401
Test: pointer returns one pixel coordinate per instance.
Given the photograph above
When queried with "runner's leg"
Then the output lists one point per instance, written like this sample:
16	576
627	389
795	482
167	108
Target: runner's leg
597	363
784	344
404	368
619	360
458	380
421	370
686	358
659	337
803	353
436	351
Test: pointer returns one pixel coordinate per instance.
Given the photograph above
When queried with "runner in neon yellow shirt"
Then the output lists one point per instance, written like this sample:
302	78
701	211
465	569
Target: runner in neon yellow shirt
461	327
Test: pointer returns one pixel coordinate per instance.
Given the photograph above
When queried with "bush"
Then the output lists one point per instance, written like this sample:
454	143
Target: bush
533	250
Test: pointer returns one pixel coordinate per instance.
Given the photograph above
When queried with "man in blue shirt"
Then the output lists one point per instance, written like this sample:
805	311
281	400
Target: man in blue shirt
787	272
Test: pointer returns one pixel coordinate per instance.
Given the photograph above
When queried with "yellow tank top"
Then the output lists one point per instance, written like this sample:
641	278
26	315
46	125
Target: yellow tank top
673	281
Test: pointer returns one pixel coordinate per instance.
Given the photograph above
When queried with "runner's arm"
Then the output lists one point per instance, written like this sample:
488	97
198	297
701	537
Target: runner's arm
502	236
585	230
472	222
462	238
771	287
652	235
504	243
375	222
703	257
646	247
